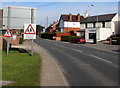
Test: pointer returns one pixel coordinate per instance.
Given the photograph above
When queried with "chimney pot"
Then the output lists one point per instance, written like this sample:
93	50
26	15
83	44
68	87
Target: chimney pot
70	17
78	17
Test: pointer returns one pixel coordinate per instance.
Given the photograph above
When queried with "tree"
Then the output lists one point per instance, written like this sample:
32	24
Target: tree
39	28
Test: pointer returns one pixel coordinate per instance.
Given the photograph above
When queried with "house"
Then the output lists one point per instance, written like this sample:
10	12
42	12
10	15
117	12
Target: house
100	27
53	27
70	22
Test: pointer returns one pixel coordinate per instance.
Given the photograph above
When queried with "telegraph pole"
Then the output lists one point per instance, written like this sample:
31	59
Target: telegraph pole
47	22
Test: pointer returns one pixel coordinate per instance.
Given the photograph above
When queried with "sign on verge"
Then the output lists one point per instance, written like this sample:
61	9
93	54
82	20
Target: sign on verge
29	31
7	33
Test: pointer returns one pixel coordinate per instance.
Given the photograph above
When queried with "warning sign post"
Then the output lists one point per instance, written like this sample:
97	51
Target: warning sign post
7	34
30	33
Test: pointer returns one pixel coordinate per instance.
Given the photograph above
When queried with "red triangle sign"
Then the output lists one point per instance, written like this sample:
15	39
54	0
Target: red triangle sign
7	33
29	30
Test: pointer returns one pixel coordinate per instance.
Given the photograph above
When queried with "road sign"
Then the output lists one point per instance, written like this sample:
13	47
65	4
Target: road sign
7	33
29	31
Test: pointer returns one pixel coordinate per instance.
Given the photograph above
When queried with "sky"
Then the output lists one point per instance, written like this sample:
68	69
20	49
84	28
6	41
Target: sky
53	10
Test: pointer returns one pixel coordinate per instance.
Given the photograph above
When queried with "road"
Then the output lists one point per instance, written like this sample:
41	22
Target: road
83	66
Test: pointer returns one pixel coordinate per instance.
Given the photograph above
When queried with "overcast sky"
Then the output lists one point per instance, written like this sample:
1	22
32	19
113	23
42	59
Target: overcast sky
54	9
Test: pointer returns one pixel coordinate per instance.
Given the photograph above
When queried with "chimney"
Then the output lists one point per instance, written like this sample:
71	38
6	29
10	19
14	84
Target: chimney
78	17
70	17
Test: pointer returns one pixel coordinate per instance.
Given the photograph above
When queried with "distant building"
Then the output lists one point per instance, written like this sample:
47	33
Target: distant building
70	22
53	27
100	27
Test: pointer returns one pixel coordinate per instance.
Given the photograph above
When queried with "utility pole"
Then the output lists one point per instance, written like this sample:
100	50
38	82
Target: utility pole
47	22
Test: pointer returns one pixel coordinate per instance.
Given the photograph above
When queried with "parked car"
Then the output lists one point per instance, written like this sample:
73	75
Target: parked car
78	40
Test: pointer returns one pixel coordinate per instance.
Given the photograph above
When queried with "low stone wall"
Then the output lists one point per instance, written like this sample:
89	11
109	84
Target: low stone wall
13	41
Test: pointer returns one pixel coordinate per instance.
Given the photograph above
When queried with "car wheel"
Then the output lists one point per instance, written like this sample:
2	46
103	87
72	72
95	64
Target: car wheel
79	42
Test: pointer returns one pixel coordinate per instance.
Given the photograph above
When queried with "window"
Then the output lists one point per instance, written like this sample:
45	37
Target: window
85	25
92	35
94	25
103	24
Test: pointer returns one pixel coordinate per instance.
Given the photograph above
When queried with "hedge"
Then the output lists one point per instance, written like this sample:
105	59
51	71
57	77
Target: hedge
47	35
116	38
67	38
21	41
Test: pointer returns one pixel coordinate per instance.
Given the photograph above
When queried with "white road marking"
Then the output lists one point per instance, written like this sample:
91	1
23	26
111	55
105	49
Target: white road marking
100	58
76	50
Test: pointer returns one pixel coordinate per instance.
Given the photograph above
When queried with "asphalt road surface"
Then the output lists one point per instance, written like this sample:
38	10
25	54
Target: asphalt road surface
83	66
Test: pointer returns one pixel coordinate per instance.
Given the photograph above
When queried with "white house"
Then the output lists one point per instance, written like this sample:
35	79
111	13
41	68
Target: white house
100	26
70	22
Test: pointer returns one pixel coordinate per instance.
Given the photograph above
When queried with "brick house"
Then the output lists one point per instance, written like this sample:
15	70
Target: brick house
53	27
70	22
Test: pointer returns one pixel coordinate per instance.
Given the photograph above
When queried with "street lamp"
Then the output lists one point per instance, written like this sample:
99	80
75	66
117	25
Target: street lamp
96	25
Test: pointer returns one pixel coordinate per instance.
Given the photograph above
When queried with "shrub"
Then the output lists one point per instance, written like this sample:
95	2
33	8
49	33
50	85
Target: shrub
44	35
47	35
67	38
21	41
117	39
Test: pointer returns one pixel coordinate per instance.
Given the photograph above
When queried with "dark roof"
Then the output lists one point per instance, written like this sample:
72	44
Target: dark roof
74	18
101	18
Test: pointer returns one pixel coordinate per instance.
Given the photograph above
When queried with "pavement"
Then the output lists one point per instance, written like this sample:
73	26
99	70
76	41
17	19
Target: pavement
104	45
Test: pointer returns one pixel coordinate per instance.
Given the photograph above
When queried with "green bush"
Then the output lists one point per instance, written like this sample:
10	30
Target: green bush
21	41
67	38
116	38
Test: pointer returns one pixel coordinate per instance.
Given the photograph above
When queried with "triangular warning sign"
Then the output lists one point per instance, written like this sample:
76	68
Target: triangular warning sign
7	33
29	30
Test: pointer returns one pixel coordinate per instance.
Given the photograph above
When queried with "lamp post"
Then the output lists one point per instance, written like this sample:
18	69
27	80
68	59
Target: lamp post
96	25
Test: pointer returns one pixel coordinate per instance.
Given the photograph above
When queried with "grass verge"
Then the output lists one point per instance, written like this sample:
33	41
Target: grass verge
21	68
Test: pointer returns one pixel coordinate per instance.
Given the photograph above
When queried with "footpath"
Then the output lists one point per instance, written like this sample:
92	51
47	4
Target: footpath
51	75
105	46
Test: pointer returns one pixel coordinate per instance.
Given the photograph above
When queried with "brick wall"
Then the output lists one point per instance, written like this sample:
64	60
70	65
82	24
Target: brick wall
15	41
1	42
69	29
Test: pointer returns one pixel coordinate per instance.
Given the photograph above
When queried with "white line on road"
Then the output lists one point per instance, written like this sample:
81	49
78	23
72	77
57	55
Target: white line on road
100	58
76	50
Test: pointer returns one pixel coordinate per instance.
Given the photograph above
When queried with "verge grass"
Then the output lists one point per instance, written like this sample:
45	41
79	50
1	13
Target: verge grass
21	68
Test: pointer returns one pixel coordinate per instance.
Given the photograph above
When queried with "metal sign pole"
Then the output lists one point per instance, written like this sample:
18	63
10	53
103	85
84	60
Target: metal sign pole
32	21
8	26
32	48
7	46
